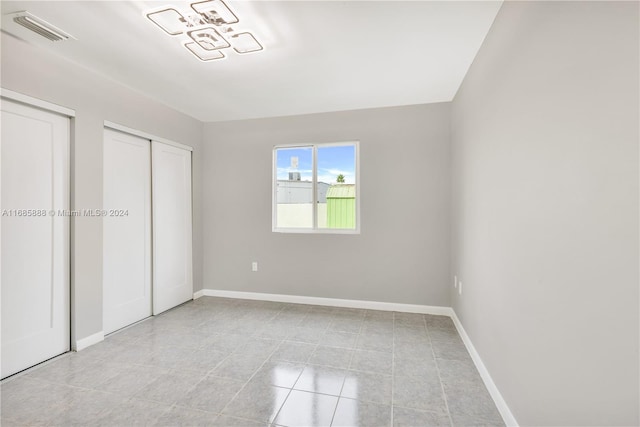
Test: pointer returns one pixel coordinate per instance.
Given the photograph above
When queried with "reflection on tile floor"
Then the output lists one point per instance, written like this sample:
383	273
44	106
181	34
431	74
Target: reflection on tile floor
226	362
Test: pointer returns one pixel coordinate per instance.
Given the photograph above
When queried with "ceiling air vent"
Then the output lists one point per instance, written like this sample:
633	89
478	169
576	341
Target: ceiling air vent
39	26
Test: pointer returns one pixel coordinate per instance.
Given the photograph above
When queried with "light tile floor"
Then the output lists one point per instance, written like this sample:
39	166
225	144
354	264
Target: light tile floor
226	362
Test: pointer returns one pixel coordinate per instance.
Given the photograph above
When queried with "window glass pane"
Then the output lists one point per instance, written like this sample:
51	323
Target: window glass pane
294	187
336	186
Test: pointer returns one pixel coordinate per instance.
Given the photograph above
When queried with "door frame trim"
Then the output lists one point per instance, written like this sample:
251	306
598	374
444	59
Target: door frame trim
36	102
145	135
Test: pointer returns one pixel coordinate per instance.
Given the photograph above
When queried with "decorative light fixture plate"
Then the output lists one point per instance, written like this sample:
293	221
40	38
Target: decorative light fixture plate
207	28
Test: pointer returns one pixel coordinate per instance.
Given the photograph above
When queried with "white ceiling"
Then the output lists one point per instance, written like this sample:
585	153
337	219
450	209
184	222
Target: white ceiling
319	56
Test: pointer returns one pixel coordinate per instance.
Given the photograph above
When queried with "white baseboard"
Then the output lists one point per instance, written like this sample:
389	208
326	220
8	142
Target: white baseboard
331	302
198	294
89	341
504	410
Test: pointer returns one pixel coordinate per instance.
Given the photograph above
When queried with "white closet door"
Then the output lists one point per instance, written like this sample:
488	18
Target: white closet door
35	237
172	267
127	230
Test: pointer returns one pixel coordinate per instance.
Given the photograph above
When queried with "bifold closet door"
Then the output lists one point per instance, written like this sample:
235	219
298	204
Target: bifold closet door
172	234
127	230
34	147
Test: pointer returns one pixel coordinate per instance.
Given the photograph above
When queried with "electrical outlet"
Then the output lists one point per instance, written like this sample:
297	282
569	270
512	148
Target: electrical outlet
254	266
459	288
455	281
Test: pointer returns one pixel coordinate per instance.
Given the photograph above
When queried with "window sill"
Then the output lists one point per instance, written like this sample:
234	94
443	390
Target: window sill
315	231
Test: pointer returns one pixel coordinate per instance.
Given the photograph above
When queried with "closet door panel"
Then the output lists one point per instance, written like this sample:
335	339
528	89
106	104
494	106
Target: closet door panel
34	148
127	230
172	227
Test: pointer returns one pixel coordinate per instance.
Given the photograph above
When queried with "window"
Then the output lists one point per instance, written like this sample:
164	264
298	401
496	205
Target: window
315	188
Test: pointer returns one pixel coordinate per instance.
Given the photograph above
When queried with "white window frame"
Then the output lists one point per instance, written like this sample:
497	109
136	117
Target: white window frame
314	189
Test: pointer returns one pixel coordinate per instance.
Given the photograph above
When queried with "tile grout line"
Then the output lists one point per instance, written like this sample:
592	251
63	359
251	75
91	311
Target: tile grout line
256	371
172	370
353	352
96	386
210	372
318	345
204	377
446	403
299	375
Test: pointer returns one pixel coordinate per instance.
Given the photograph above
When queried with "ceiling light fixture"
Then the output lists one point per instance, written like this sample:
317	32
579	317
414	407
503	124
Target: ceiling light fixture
206	29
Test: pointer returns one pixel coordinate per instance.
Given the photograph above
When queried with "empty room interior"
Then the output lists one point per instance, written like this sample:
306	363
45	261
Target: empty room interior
320	213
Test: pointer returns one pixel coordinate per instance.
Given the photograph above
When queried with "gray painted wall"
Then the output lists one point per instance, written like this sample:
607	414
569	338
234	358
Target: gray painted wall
545	166
402	254
41	74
